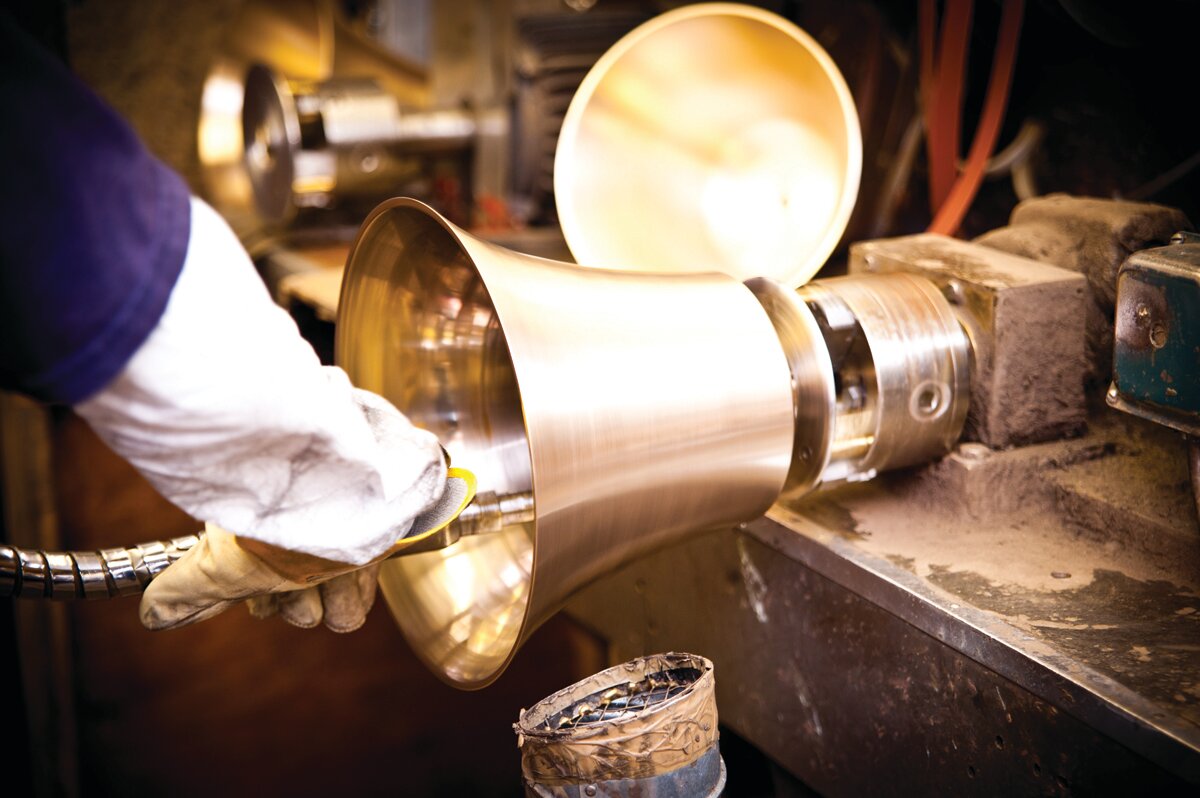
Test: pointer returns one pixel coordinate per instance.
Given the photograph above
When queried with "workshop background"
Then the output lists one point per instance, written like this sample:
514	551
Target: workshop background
235	706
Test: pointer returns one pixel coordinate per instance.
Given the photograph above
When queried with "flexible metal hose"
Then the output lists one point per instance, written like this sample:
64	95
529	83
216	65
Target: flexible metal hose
110	573
107	573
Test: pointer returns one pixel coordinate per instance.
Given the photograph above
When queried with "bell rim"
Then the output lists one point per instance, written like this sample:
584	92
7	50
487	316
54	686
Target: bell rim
525	628
796	275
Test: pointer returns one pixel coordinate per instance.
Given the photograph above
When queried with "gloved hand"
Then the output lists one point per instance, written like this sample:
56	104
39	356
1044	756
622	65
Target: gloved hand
222	570
229	414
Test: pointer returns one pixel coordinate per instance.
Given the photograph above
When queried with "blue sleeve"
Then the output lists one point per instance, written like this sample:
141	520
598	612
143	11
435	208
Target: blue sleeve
93	230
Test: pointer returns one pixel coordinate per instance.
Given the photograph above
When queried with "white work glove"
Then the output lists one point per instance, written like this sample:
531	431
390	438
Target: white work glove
227	411
223	569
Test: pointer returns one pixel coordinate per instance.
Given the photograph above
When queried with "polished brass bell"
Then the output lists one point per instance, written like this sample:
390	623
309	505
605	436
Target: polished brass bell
633	407
715	137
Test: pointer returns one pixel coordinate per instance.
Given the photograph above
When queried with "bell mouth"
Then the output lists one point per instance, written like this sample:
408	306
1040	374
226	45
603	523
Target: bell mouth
716	137
416	325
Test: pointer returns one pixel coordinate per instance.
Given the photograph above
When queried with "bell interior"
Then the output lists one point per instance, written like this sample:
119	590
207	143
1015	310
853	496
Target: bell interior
421	330
725	121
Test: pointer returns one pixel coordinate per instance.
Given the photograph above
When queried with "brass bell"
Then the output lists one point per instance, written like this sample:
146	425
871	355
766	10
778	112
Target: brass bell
715	137
633	408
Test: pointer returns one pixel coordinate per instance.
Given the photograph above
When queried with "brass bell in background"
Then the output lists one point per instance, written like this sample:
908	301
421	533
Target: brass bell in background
716	137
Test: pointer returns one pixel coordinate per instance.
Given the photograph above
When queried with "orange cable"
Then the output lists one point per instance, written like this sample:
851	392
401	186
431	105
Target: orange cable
944	129
950	215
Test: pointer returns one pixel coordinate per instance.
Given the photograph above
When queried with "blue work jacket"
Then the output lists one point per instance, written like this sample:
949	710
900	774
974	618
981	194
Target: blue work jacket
93	229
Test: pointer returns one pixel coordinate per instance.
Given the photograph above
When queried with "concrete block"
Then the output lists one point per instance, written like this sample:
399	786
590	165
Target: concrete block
1093	237
1026	321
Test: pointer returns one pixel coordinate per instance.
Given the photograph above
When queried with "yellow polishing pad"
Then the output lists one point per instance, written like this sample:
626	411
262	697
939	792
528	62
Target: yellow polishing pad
459	493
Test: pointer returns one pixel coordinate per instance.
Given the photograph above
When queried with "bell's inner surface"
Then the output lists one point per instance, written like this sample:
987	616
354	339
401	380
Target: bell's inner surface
426	336
714	137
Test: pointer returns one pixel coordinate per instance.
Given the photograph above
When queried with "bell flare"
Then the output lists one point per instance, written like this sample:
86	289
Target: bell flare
633	408
713	137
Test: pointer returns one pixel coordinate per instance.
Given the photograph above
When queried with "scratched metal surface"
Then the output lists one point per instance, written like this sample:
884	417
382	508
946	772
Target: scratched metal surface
861	677
1082	555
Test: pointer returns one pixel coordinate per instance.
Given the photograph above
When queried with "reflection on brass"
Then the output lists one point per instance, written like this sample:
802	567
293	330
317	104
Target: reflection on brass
635	408
716	137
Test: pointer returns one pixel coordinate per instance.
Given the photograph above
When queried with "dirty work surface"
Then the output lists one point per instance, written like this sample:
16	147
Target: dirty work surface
1088	549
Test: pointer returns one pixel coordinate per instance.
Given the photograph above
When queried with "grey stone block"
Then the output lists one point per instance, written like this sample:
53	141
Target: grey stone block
1093	237
1026	321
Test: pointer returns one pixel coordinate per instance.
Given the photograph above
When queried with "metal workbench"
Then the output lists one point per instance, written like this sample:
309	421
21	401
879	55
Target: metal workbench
881	639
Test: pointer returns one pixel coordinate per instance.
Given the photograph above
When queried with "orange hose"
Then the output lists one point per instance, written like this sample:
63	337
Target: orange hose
944	110
949	216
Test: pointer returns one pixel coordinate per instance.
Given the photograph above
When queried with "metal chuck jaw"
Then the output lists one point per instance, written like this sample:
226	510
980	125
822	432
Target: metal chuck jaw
880	374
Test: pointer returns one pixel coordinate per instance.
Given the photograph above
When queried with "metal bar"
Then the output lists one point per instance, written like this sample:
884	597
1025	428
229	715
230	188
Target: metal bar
34	573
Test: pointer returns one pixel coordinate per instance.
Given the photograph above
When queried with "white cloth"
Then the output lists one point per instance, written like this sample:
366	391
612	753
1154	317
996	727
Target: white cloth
227	411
